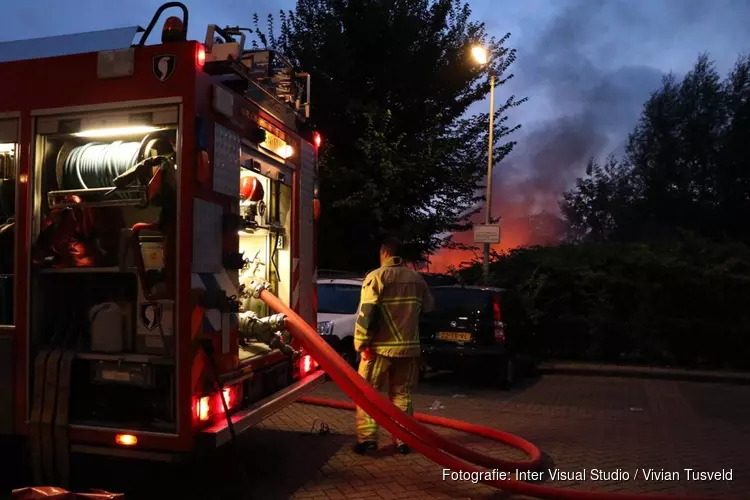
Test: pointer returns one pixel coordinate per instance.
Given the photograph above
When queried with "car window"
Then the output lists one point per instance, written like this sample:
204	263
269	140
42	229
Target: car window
338	299
459	299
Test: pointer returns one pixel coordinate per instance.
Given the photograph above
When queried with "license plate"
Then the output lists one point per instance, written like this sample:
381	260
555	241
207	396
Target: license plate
455	336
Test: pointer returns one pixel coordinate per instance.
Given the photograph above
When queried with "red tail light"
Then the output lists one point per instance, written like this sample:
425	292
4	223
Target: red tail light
317	139
306	365
205	408
202	408
497	318
229	397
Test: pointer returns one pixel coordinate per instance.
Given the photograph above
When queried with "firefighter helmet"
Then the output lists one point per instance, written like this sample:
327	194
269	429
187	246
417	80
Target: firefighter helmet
251	189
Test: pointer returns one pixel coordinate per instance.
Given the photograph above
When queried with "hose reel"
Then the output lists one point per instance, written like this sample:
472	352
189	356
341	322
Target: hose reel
95	165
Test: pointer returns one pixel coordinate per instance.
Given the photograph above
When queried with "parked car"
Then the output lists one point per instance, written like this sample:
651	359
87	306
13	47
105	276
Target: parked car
478	327
338	306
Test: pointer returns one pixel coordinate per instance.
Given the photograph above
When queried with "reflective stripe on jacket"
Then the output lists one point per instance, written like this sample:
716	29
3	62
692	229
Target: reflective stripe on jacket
392	298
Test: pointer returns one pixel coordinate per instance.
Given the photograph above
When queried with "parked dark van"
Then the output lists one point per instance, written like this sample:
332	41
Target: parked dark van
478	327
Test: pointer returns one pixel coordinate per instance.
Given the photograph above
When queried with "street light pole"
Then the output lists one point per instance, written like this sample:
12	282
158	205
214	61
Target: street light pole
488	202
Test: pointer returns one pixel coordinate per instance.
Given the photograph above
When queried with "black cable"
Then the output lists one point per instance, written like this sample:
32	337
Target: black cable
167	351
208	348
324	430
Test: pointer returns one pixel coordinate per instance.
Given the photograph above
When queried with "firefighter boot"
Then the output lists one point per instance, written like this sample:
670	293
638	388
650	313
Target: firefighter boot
365	447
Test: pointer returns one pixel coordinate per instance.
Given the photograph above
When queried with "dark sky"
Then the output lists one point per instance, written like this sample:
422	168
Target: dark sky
586	65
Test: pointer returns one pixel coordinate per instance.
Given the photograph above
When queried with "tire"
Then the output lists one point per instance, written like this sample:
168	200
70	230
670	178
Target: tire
508	373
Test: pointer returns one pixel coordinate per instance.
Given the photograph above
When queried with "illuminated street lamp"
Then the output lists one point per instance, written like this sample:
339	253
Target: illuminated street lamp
481	56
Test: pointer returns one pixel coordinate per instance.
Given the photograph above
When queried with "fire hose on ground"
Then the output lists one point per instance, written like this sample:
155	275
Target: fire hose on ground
432	445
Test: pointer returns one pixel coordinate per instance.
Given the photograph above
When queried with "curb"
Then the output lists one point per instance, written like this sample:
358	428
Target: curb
676	374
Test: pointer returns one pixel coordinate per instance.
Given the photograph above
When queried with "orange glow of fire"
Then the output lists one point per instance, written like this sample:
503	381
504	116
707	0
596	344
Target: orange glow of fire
515	233
511	237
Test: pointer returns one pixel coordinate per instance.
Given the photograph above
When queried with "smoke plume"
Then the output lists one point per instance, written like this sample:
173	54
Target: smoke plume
589	71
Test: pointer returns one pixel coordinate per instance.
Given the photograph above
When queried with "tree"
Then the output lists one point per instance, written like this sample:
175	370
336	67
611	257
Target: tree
392	82
685	166
600	206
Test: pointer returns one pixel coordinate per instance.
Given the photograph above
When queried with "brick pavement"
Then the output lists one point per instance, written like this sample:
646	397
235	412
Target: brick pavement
579	422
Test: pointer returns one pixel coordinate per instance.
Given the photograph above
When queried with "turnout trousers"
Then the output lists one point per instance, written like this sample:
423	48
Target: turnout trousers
401	375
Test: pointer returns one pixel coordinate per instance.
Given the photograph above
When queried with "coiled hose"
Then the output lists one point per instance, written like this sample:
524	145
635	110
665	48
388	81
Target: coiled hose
422	439
97	164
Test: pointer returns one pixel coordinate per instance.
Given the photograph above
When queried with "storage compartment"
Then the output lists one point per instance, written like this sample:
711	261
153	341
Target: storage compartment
71	301
127	395
264	240
104	198
98	175
8	174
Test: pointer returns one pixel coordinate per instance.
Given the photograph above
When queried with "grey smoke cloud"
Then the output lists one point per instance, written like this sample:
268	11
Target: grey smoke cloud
591	68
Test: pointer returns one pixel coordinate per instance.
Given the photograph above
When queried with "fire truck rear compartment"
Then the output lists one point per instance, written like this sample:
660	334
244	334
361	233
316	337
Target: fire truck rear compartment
85	291
121	389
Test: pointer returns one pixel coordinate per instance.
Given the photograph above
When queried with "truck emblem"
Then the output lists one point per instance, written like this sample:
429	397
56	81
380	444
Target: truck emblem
454	324
164	66
151	313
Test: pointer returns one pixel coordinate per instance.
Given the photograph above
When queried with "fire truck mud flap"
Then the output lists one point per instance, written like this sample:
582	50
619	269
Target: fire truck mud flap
219	433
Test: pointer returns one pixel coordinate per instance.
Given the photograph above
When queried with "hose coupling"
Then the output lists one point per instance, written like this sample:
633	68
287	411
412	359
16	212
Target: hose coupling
255	287
263	329
276	322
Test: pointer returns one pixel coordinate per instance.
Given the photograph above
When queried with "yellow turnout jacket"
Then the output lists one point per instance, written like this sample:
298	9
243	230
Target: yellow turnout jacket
392	298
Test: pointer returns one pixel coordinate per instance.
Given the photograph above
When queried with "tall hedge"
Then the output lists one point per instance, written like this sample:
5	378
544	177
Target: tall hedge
678	303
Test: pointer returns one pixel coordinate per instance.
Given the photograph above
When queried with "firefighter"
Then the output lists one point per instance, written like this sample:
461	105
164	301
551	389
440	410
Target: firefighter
387	336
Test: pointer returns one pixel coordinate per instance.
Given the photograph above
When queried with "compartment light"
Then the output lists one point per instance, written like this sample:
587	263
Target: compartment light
286	151
110	132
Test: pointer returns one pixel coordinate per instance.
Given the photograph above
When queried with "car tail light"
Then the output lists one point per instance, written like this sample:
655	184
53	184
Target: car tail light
498	320
126	440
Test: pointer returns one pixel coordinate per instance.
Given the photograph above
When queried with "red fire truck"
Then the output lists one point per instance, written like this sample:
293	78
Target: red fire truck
143	186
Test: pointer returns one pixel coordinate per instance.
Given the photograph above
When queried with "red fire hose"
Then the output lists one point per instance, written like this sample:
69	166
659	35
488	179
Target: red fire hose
421	438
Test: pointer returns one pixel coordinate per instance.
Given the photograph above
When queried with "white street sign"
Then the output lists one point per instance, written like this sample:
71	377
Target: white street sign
487	233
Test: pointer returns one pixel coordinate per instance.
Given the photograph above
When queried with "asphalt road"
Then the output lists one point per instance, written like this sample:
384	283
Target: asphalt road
611	425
